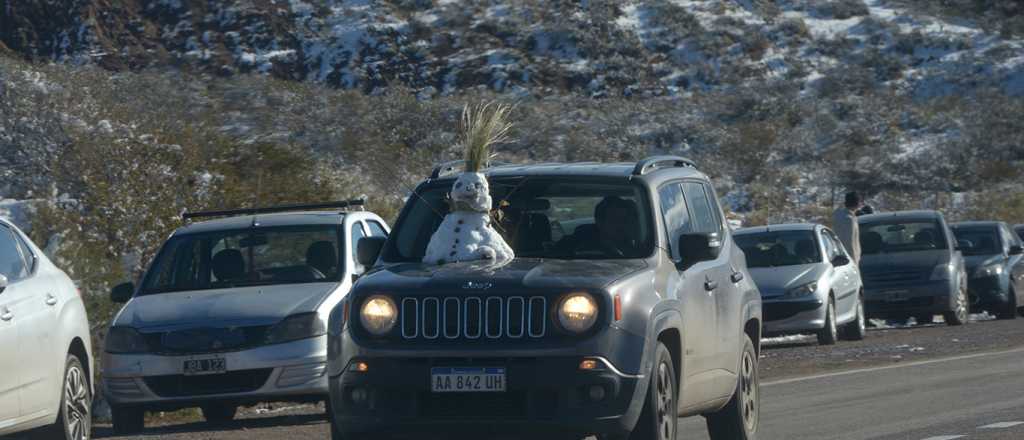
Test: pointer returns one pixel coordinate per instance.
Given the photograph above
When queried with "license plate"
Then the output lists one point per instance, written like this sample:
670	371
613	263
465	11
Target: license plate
204	366
467	380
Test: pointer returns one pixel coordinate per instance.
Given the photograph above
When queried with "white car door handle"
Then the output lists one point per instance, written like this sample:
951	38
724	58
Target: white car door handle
7	315
51	300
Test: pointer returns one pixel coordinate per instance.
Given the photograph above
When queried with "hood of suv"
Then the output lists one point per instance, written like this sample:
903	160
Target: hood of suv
242	306
902	261
520	273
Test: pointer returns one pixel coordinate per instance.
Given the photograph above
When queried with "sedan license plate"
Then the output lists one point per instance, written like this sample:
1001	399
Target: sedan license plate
467	380
205	366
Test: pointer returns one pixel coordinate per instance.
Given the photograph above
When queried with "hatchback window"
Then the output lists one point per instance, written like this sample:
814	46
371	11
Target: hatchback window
12	265
774	249
260	256
901	236
542	218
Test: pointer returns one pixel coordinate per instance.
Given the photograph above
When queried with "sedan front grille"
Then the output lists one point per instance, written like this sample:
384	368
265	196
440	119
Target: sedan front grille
459	318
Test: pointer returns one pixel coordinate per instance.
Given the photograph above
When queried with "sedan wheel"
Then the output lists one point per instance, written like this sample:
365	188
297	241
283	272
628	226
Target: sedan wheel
958	316
74	417
829	334
858	329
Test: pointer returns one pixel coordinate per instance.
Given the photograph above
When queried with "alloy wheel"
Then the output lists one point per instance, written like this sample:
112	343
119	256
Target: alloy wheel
961	304
665	407
749	392
77	405
833	327
861	322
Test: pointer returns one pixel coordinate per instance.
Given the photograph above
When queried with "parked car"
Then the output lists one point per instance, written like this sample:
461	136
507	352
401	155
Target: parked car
807	280
628	304
46	365
912	267
995	264
233	312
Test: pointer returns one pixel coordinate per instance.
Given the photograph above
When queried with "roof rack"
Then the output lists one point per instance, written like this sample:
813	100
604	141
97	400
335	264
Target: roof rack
449	168
655	162
272	209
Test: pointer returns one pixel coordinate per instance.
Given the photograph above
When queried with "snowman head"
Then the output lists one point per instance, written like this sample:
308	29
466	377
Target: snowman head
472	190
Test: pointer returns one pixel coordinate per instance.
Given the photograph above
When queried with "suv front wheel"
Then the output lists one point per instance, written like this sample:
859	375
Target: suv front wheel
739	419
660	417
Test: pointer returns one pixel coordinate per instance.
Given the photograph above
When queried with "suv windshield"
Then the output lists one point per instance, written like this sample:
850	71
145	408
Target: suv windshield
771	249
542	218
896	236
258	256
984	241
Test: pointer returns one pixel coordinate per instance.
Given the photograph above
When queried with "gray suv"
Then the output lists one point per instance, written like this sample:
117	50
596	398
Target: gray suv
628	304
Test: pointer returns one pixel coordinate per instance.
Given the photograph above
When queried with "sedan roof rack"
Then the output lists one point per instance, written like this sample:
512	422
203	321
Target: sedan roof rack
449	168
271	209
655	162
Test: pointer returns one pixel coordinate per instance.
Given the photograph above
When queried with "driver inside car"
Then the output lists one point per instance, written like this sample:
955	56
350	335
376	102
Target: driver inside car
614	232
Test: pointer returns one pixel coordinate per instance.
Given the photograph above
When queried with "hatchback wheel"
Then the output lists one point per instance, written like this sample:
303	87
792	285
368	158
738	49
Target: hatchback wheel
74	417
660	415
740	417
858	329
958	316
829	334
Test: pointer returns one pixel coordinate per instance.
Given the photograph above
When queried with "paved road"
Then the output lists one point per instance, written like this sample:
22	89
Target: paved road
897	397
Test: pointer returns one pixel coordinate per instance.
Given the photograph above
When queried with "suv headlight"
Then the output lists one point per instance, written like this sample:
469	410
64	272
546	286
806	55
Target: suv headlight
378	315
125	340
295	327
942	272
990	271
804	290
577	312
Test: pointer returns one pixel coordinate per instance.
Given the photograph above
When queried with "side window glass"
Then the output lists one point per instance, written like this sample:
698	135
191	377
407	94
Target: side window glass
357	234
376	230
27	253
675	215
12	265
830	246
704	220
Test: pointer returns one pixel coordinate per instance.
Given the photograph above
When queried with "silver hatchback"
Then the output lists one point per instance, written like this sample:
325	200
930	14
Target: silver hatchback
232	312
807	280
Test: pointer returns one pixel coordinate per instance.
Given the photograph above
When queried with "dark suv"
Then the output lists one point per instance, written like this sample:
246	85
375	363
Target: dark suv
995	265
628	304
912	267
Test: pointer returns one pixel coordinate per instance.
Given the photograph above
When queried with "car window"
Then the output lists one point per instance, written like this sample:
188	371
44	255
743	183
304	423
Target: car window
259	256
27	253
12	265
830	246
983	240
1020	233
1009	239
782	248
837	244
704	219
356	235
901	236
376	229
675	215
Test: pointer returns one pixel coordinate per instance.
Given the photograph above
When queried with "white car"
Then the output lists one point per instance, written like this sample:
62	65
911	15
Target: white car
46	361
233	312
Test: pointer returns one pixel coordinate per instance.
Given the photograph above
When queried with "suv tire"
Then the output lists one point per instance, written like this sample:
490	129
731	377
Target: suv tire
127	420
829	334
659	419
74	416
857	330
739	419
959	314
219	413
1010	310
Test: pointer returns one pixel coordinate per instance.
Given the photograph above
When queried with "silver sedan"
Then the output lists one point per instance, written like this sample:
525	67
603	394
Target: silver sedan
807	280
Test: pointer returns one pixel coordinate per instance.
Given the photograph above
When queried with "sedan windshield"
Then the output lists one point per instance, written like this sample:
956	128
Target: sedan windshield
892	237
542	218
258	256
772	249
984	241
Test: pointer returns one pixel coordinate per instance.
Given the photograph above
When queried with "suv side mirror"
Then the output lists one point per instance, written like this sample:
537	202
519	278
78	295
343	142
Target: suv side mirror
1016	249
3	283
694	248
963	245
368	250
121	293
840	260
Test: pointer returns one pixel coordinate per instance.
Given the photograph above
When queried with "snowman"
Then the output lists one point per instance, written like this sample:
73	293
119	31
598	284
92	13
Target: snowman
467	232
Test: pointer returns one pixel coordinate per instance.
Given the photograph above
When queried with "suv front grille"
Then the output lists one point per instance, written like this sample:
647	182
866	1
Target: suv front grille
473	317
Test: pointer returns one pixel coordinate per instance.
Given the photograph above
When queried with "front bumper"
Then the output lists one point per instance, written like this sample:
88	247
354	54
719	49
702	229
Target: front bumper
909	298
543	395
793	316
290	371
987	293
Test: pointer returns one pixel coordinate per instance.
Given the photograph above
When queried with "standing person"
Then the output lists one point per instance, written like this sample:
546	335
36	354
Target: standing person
844	223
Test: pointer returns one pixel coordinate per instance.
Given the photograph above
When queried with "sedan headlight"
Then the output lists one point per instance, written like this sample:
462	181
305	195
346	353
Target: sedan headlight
942	272
577	312
378	315
125	340
295	327
804	290
990	271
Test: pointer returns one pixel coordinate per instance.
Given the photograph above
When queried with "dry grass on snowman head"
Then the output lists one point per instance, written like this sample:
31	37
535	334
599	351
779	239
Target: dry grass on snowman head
483	126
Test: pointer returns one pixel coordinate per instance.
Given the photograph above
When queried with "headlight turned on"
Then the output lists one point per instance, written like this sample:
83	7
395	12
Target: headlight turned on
802	291
296	327
990	270
378	315
125	340
577	312
942	272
